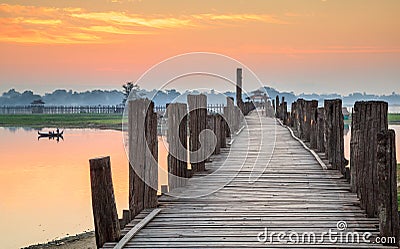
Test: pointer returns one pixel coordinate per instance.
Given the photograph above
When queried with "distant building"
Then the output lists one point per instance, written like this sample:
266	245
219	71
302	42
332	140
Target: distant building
37	106
258	96
346	113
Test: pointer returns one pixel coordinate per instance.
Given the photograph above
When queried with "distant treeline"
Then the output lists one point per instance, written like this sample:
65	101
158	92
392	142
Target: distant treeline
349	100
105	97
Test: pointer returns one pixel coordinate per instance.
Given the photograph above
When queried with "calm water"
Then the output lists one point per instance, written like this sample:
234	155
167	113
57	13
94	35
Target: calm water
45	185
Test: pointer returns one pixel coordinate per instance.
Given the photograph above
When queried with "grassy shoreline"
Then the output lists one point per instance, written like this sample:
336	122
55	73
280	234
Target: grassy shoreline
99	121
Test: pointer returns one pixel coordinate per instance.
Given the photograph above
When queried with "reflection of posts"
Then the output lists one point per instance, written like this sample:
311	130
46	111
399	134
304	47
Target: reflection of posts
197	123
105	215
143	153
177	144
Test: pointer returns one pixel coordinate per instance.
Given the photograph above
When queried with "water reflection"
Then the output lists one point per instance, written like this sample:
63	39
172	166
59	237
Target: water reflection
45	187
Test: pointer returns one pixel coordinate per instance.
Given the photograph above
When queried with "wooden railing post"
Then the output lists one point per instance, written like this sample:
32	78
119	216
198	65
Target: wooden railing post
177	144
269	109
321	129
239	78
314	128
387	185
273	105
300	117
277	107
229	113
217	132
334	141
106	223
284	113
197	123
293	115
281	109
368	119
223	128
143	153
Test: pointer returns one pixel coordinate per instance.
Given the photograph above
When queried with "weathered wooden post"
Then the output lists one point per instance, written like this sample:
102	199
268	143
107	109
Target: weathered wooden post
387	185
273	105
177	144
277	105
239	78
270	109
217	131
237	116
293	115
308	110
229	114
210	125
197	123
334	141
321	129
369	118
281	110
143	154
106	223
300	117
314	129
284	113
223	127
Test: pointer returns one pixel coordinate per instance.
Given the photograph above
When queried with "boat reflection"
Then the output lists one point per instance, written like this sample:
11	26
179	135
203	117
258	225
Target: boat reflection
52	135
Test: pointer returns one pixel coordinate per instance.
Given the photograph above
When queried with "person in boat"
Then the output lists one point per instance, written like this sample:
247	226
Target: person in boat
58	131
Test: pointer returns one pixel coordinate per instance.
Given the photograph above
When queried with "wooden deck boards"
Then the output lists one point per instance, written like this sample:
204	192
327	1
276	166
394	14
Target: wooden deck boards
268	180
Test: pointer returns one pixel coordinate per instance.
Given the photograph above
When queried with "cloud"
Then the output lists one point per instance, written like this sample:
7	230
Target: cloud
321	50
32	24
241	17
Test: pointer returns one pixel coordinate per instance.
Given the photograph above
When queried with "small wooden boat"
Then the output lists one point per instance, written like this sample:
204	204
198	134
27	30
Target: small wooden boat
50	134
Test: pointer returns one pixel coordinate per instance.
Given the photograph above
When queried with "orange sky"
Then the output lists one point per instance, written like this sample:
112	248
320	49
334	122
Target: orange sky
293	45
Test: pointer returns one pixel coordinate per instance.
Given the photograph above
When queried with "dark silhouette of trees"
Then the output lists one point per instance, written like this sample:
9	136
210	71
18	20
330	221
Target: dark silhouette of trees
131	91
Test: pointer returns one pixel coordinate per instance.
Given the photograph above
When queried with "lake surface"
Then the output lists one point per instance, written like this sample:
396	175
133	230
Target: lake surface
45	185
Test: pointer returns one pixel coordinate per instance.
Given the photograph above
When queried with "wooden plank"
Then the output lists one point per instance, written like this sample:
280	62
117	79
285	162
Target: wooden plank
137	228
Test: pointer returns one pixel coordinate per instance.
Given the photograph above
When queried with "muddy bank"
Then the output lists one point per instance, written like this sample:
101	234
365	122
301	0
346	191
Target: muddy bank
79	241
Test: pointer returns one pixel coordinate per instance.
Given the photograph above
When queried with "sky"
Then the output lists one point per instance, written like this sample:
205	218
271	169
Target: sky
321	46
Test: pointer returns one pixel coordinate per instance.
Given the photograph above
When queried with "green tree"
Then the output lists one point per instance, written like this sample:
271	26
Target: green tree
131	90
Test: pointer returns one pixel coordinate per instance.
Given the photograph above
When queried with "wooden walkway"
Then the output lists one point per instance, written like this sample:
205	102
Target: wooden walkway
266	179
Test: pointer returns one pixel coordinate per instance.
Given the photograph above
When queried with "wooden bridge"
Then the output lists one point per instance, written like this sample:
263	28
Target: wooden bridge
280	182
293	193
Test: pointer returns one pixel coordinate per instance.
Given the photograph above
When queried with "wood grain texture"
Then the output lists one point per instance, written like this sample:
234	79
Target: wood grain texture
143	154
197	123
106	223
369	118
291	192
387	182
